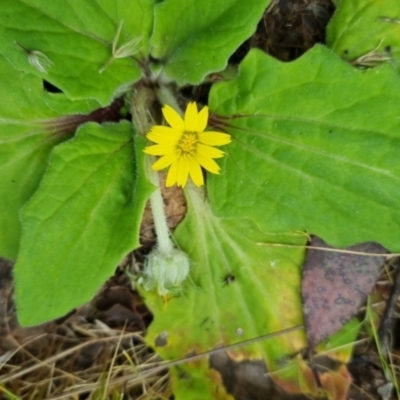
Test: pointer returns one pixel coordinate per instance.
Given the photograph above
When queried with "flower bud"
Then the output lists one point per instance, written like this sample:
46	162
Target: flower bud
165	270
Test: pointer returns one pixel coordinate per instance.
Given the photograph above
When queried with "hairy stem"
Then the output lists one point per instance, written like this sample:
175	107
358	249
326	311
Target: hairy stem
141	104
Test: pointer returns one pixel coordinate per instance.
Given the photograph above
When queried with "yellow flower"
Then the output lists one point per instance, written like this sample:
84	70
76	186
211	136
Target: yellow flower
185	146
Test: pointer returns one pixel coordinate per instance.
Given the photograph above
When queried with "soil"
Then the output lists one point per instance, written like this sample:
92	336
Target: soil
99	344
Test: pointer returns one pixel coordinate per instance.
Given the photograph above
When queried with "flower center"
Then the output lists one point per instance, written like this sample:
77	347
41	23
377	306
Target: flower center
188	142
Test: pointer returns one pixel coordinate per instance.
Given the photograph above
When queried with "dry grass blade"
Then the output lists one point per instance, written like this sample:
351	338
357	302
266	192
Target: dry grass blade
44	377
361	253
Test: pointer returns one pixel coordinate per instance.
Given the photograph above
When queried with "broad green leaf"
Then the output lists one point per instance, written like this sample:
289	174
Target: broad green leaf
238	289
30	125
193	38
76	38
366	31
315	148
81	222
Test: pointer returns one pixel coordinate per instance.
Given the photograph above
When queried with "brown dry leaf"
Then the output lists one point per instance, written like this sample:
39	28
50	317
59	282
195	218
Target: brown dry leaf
335	285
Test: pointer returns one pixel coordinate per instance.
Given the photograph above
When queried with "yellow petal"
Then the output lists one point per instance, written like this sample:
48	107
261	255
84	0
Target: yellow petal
162	140
172	175
208	151
164	134
202	120
191	117
214	138
195	172
208	163
173	118
159	150
165	161
183	171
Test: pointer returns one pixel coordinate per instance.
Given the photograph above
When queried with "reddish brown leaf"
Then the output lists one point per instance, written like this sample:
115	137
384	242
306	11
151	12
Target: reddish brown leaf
335	285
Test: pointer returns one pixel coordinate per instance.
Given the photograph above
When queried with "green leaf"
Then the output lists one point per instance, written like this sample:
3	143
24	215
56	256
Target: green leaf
366	32
225	288
193	38
30	126
76	39
315	148
81	222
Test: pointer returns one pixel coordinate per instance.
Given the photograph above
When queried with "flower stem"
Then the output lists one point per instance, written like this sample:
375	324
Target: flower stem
157	206
141	102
